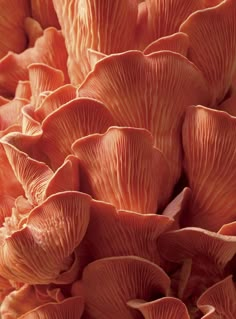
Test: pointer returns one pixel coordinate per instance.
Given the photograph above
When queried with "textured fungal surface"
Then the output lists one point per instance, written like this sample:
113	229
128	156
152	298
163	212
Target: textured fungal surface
118	159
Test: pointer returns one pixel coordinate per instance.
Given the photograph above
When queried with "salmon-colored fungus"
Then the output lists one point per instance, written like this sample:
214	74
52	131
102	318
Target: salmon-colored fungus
118	159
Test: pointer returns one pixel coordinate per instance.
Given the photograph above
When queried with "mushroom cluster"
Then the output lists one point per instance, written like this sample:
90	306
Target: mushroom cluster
118	159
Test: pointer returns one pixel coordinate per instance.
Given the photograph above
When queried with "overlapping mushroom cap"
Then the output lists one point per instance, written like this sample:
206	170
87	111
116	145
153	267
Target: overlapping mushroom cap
117	159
